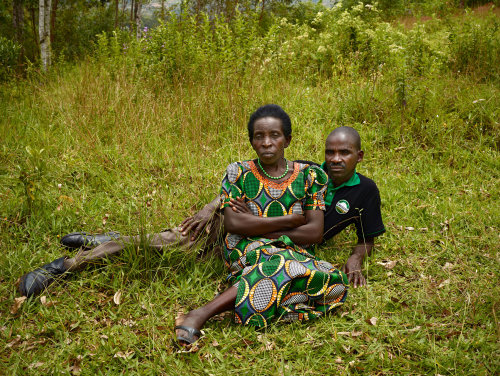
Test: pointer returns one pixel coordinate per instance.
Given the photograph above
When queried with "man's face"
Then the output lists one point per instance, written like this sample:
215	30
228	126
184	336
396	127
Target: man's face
341	157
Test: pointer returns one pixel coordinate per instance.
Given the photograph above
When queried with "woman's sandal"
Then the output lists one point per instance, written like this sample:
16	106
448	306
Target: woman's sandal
192	332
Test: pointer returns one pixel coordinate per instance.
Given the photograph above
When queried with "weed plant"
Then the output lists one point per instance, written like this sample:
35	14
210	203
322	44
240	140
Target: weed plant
137	137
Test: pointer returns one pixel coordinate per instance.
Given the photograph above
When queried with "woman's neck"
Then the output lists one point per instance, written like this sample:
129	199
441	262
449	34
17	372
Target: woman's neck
275	171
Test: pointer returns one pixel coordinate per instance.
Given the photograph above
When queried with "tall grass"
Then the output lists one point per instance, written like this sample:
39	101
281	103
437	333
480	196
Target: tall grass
135	139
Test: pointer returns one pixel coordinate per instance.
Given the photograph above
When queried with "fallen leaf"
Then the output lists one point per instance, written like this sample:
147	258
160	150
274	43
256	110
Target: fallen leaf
215	343
126	322
388	264
117	297
75	369
105	219
124	355
372	321
409	228
66	198
68	341
14	341
189	349
43	300
447	266
338	360
444	283
356	334
343	333
103	336
17	304
415	329
269	346
35	365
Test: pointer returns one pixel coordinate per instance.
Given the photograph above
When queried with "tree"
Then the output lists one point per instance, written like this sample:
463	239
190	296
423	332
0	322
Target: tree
18	25
45	7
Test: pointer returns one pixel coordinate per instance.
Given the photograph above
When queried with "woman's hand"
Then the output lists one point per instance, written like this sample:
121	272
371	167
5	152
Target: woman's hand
239	206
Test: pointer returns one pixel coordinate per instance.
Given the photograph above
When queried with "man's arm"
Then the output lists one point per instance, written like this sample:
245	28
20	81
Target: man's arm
354	263
198	221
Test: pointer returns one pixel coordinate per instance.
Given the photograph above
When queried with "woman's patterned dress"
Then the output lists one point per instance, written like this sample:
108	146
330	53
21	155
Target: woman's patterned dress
277	279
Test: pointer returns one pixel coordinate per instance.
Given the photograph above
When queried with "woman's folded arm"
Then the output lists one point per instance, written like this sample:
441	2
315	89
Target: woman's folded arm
309	233
247	224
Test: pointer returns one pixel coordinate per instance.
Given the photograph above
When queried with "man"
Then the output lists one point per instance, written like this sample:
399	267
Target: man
350	198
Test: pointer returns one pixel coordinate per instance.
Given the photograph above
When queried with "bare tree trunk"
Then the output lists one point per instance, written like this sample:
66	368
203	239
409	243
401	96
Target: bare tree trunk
262	10
18	19
162	14
138	8
44	32
53	14
116	14
132	6
18	24
33	29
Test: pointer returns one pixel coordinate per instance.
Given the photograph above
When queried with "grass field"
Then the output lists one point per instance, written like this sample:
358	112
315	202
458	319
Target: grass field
97	148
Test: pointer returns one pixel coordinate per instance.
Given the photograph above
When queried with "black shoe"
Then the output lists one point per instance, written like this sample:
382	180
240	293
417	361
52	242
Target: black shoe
82	239
38	280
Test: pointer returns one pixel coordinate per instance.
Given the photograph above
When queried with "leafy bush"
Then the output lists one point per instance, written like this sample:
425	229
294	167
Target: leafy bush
9	55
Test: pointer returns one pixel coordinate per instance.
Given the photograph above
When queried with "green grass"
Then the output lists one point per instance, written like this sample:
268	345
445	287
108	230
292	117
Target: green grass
144	153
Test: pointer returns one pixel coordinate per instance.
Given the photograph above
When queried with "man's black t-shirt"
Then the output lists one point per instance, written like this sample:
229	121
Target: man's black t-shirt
356	201
358	204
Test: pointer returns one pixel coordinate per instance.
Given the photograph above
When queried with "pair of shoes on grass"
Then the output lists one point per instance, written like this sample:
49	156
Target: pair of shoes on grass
35	282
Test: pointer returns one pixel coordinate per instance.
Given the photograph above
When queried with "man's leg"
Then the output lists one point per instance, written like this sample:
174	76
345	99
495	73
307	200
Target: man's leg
167	238
36	281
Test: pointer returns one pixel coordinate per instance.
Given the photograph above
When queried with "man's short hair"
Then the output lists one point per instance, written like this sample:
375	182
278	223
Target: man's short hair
350	132
270	110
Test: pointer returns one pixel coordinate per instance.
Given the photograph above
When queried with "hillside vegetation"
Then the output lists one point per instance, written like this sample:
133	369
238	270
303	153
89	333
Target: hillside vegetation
137	136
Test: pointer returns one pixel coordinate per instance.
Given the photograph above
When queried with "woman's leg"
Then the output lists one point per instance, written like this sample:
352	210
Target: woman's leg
198	317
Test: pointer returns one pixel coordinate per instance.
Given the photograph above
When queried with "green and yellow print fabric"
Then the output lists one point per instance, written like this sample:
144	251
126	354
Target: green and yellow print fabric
278	279
304	189
288	286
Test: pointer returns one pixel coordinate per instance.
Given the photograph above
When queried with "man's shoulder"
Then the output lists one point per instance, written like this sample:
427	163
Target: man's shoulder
366	182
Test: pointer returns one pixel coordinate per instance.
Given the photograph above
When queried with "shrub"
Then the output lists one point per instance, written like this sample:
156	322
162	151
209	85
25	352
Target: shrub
9	55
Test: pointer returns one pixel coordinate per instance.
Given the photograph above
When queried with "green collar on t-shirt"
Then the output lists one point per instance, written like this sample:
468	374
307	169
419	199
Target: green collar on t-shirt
330	192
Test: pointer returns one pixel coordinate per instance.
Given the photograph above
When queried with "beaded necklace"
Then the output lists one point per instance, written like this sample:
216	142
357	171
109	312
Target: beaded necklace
273	177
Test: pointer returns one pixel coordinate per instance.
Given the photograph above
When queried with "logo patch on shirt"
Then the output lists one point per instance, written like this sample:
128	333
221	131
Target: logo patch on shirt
342	206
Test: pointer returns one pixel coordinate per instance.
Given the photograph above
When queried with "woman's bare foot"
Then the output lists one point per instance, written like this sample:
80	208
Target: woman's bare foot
188	327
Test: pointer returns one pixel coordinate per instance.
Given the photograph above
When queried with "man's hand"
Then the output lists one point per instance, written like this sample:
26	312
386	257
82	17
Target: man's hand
200	220
353	270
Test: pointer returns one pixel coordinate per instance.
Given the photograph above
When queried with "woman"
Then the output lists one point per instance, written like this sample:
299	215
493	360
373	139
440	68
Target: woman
272	213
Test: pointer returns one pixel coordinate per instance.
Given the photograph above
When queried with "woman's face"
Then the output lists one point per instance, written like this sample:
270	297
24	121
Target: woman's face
269	141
